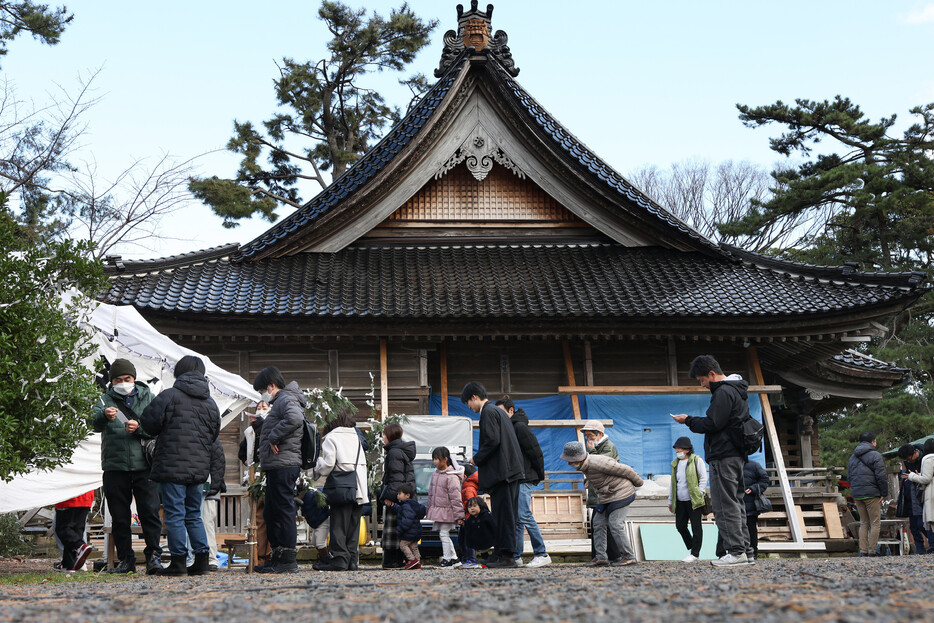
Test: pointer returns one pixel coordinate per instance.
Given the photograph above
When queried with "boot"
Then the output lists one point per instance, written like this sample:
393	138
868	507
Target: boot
177	568
124	566
287	562
271	562
201	564
323	554
154	564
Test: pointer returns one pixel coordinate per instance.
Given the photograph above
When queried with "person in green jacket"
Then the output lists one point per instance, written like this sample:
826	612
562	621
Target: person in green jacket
597	442
126	471
686	499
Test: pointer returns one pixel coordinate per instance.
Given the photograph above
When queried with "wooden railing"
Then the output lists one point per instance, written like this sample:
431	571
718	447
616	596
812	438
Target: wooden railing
808	479
572	477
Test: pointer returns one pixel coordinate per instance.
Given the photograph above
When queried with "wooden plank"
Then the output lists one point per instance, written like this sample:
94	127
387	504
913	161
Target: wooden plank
832	519
575	403
636	390
444	378
797	532
765	546
383	379
559	423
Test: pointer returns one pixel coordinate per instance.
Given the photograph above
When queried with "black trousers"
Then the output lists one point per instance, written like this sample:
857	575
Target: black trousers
505	501
69	528
279	506
119	489
751	526
693	538
344	534
612	549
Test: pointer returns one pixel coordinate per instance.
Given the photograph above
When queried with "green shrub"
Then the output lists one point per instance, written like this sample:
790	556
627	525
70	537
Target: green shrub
12	542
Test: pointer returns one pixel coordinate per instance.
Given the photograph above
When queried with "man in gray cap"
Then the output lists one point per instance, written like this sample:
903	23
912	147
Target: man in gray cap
116	416
616	490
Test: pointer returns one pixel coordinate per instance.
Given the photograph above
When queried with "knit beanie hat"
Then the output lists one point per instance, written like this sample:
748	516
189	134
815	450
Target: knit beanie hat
573	452
122	367
189	363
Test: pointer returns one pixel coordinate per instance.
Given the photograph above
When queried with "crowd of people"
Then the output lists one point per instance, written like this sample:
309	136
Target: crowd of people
165	450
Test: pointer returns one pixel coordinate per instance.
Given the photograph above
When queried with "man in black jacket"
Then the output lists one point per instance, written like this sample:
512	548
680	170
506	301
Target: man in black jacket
500	461
533	464
728	408
869	485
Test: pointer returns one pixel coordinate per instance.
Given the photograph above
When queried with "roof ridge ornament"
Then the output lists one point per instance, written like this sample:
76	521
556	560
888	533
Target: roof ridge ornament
473	32
480	151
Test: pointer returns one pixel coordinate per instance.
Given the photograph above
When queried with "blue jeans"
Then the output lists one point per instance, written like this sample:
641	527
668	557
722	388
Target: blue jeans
525	521
918	532
182	507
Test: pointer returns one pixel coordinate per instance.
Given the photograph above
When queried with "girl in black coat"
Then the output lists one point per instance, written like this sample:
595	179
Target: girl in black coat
478	531
397	470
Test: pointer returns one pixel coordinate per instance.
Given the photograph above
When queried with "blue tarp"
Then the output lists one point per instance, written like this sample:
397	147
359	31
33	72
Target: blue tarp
642	430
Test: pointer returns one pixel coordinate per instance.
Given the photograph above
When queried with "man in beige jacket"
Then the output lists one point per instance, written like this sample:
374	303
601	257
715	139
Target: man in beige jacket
615	484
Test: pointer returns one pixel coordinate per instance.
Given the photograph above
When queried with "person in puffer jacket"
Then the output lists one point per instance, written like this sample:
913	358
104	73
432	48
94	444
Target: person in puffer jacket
444	501
186	422
409	514
397	471
280	455
869	485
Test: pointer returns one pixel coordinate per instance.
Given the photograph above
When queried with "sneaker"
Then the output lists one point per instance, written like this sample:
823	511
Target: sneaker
729	560
690	558
598	562
623	562
539	561
412	564
81	556
59	567
507	562
470	564
519	562
451	564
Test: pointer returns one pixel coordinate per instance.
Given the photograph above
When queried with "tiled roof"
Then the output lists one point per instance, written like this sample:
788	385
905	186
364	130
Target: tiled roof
860	360
363	170
507	281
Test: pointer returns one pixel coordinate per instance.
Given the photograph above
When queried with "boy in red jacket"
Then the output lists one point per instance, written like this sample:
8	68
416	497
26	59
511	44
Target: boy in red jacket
71	517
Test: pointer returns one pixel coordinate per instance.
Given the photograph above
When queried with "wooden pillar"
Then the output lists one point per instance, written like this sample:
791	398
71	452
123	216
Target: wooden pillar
575	404
334	374
672	363
791	511
505	379
588	364
443	352
383	379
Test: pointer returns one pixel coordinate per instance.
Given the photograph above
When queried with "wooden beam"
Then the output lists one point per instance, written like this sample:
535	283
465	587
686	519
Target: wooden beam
334	375
443	351
558	423
672	363
575	403
635	390
797	534
588	363
383	378
423	401
505	378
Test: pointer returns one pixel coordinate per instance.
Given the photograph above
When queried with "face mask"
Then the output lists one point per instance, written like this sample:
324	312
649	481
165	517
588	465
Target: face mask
680	455
124	389
265	397
261	413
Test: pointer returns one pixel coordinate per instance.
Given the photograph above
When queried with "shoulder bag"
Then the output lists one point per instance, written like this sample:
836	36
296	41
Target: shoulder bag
340	487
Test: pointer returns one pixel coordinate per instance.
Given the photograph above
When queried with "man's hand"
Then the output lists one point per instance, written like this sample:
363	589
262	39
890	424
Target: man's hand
131	426
670	509
748	490
275	448
387	502
904	476
110	413
679	418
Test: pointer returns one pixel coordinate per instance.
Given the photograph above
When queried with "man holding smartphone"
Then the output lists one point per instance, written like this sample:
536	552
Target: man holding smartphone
126	470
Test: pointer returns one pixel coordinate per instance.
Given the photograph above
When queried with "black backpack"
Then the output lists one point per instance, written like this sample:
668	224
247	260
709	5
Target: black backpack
311	444
750	435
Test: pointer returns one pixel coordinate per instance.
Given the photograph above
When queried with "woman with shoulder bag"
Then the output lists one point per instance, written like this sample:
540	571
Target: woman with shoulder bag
686	499
343	462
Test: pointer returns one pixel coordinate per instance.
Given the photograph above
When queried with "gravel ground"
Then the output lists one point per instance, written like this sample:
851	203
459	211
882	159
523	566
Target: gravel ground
840	590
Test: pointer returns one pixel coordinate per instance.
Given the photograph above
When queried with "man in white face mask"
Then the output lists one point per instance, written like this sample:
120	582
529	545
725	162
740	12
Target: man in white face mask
126	471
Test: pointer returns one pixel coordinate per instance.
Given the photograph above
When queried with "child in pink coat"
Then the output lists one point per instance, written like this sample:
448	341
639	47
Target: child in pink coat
444	501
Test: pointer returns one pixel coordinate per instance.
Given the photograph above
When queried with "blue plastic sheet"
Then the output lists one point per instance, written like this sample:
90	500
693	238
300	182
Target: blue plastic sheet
642	430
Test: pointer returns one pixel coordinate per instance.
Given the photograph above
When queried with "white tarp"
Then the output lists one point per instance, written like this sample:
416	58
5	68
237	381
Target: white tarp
122	332
430	431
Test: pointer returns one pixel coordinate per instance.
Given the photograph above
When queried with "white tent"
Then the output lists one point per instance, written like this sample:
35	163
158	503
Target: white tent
121	332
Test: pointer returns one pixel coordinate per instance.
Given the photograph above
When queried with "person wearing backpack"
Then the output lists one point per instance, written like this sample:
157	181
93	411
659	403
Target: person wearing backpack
280	454
722	448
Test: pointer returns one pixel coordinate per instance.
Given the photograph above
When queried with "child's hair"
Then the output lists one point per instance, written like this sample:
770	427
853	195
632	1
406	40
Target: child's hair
407	488
393	432
478	501
443	453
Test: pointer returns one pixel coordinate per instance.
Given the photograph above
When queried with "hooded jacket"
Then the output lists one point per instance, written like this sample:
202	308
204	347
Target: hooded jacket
283	428
728	407
341	450
185	421
613	481
408	519
498	455
469	488
121	451
533	462
444	494
397	468
866	472
757	479
479	532
604	448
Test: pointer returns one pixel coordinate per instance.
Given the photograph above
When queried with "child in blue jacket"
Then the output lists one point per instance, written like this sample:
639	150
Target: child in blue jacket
408	525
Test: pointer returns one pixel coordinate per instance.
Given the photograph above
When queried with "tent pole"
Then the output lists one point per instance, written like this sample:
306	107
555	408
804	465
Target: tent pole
791	511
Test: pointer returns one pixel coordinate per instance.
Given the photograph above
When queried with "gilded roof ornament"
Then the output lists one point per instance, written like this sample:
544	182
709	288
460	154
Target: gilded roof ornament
473	32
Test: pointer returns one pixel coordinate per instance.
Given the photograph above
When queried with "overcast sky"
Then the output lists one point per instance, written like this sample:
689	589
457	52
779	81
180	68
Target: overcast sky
638	82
